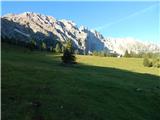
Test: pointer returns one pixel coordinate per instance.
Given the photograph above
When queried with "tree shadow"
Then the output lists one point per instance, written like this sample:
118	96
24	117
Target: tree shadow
118	76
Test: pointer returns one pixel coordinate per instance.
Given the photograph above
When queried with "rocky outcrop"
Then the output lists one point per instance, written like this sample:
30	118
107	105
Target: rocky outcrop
40	27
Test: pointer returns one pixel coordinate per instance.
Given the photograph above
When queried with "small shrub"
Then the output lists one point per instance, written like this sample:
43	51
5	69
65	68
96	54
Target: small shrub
156	62
147	63
68	57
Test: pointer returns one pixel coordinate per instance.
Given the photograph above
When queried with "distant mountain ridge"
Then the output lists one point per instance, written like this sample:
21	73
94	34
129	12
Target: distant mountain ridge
41	27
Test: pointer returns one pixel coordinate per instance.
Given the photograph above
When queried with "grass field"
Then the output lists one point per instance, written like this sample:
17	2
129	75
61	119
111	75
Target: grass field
36	86
130	64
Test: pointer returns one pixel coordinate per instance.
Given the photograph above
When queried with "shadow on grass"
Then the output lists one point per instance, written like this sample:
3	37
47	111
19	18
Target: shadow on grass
109	70
74	92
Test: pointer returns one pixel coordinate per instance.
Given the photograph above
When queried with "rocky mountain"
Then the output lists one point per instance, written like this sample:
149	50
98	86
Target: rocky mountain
120	45
29	25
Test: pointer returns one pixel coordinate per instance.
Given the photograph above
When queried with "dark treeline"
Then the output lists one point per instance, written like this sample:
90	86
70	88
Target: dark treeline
67	48
150	59
32	44
127	54
140	54
104	54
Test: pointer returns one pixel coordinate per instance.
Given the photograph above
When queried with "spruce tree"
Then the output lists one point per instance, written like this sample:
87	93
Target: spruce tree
126	54
68	54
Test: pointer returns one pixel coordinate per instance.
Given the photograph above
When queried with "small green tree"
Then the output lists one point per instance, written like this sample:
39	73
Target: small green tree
147	63
126	54
58	48
68	54
68	57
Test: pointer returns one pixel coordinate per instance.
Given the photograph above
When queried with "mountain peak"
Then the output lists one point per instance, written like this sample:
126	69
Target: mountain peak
46	28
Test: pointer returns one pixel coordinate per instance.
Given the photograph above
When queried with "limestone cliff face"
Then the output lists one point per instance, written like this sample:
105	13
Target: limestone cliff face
40	27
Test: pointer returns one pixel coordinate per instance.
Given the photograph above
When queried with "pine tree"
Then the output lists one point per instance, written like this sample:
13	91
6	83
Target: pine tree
126	54
68	54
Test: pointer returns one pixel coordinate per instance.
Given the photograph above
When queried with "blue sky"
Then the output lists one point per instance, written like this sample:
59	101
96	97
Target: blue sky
115	19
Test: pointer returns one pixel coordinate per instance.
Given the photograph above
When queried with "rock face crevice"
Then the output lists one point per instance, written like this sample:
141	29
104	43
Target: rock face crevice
40	27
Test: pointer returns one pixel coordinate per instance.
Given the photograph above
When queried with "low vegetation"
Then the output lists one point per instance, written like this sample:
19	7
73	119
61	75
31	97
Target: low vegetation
154	62
141	54
150	59
104	54
147	62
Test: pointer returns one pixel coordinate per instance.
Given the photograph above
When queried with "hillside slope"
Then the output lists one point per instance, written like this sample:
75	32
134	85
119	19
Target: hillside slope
35	86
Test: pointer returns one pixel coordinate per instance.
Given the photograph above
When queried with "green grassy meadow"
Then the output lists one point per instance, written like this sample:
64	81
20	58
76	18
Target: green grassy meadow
36	86
130	64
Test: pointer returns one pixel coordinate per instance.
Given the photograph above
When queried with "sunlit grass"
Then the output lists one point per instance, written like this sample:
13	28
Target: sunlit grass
131	64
